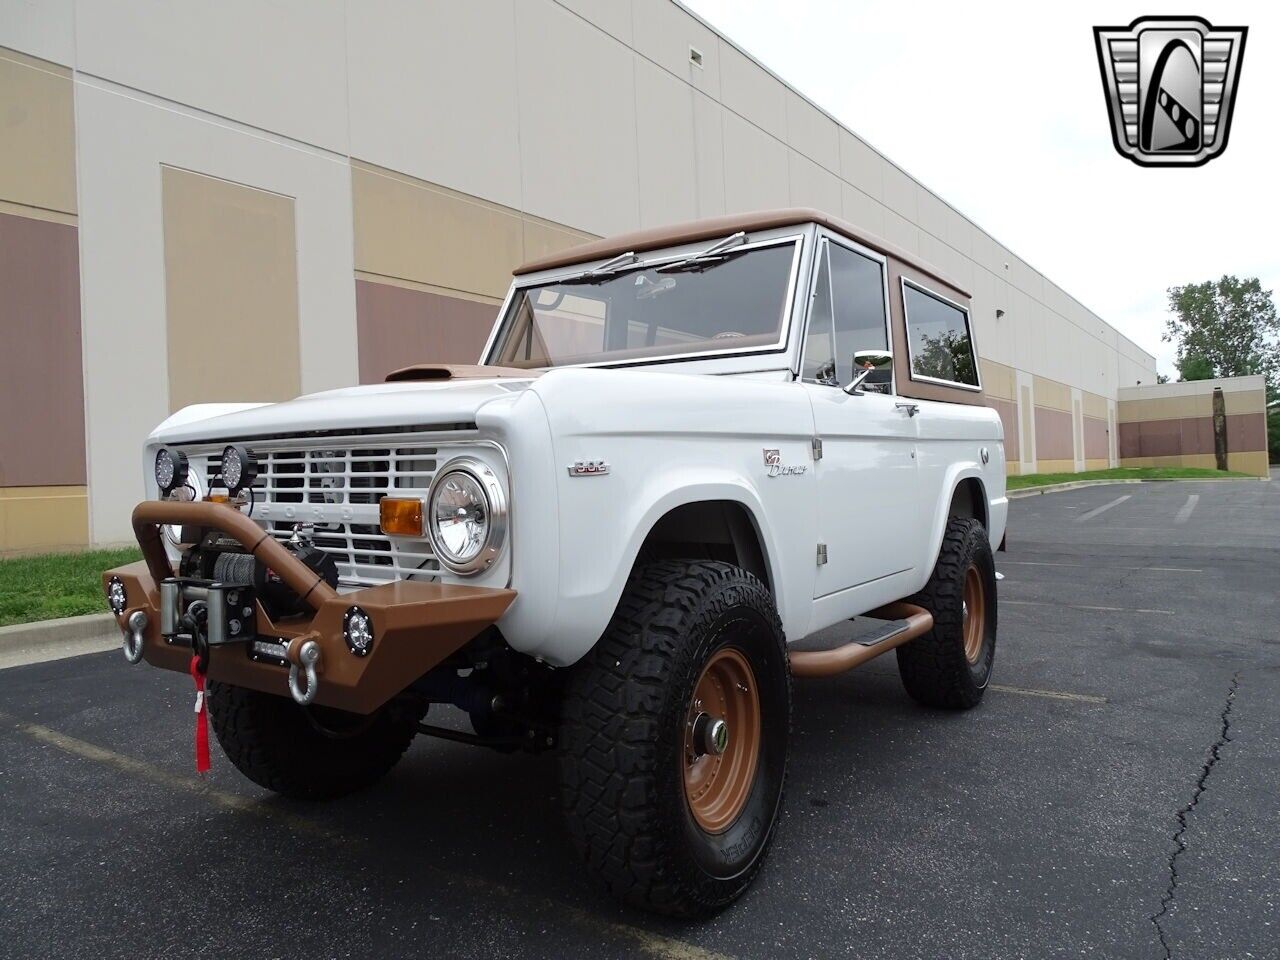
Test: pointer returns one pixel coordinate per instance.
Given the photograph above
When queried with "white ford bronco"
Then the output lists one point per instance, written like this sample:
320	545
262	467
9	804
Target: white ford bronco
684	454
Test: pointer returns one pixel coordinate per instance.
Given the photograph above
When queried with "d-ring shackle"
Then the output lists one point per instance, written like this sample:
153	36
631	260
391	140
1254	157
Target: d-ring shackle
133	631
308	656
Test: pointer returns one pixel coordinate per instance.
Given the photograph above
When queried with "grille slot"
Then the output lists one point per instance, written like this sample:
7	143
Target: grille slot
337	488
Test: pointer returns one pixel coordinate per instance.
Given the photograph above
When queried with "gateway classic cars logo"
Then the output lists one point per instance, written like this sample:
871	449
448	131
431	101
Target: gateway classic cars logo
1170	84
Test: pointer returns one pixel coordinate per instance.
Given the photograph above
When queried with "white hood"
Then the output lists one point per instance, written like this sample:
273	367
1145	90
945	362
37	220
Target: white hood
375	405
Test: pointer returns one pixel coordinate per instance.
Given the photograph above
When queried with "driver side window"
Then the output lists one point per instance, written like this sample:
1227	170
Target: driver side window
848	315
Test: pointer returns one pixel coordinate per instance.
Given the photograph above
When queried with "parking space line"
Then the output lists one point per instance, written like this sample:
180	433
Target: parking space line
1082	606
1049	694
1185	513
652	944
1102	509
1097	566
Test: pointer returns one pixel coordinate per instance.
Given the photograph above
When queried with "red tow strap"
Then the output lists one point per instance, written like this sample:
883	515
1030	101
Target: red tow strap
202	719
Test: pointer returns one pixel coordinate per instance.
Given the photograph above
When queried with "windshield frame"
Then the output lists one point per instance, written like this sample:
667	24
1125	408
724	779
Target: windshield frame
797	235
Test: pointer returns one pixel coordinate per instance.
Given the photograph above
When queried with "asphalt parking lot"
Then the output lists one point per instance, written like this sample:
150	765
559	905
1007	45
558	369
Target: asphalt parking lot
1116	795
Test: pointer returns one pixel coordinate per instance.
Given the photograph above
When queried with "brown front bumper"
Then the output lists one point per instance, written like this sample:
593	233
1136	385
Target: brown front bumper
415	625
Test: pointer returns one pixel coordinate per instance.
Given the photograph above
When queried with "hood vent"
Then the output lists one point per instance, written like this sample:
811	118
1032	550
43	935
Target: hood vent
423	372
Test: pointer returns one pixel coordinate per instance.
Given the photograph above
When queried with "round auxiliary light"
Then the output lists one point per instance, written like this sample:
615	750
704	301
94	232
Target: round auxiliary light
239	468
117	597
171	469
466	516
357	630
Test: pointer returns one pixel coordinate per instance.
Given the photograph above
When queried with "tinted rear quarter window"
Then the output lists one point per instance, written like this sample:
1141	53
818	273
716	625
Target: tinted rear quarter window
939	338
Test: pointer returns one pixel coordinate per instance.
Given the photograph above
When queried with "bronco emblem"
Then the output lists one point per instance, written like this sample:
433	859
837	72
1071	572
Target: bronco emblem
1170	84
773	460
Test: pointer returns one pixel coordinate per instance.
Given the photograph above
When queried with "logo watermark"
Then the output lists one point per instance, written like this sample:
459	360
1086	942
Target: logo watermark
1170	84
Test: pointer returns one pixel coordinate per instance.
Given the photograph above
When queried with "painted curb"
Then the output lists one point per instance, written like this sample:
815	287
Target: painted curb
47	633
1076	484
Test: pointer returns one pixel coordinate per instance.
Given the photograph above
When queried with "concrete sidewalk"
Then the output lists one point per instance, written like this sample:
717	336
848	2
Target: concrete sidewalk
24	643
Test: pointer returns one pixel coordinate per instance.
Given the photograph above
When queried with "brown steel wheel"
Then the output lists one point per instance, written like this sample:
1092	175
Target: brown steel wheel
722	740
974	610
673	738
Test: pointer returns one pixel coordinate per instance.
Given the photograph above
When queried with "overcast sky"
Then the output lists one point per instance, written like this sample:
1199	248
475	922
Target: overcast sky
998	108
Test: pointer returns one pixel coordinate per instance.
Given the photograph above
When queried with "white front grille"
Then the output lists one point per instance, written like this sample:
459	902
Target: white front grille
335	484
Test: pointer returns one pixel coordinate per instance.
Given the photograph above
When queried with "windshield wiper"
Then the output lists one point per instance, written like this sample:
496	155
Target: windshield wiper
609	266
713	254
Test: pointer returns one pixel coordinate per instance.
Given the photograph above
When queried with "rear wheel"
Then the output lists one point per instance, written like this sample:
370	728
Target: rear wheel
950	666
309	753
674	738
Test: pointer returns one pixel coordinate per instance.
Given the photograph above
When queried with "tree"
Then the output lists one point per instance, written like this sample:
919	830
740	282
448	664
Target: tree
1229	327
1192	367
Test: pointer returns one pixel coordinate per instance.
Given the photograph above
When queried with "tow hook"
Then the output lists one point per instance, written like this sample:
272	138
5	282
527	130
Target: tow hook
308	656
133	635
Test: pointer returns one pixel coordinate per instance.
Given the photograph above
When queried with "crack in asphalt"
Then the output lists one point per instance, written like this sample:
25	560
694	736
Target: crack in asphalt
1180	844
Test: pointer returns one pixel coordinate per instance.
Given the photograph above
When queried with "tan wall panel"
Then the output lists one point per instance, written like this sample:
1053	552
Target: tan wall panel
37	134
1012	468
398	326
997	379
1026	433
37	518
1165	408
413	230
1245	401
542	239
42	438
1254	463
231	288
1055	466
1101	464
1052	394
1094	405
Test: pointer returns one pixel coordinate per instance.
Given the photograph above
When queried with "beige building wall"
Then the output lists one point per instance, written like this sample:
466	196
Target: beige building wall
424	149
1171	425
43	496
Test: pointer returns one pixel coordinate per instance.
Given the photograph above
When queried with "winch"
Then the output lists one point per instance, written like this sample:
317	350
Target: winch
214	599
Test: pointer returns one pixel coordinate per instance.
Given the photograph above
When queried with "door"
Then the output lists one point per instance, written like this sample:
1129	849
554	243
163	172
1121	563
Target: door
867	483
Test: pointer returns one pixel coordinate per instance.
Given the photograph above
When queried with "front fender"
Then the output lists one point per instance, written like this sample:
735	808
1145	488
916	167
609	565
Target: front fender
957	473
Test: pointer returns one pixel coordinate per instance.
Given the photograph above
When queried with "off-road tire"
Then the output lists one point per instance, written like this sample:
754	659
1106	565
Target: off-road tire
622	743
934	667
318	756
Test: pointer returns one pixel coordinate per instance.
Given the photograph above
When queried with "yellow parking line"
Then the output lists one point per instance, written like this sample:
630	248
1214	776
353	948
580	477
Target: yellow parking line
651	944
1049	694
1081	606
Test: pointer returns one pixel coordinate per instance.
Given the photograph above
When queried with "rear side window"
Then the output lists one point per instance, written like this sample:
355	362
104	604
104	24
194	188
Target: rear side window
939	338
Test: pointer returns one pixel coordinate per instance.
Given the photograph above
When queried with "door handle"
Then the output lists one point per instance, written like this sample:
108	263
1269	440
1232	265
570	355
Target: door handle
911	408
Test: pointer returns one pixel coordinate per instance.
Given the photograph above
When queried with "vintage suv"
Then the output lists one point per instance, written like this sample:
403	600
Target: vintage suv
685	451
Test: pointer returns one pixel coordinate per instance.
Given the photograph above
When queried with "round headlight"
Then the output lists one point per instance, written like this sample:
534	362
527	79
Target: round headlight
117	598
171	469
239	468
466	516
357	630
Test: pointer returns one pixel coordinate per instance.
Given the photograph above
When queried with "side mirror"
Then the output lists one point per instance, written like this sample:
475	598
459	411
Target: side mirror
865	363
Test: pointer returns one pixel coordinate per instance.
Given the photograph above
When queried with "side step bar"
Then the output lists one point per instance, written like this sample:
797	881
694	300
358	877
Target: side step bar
907	622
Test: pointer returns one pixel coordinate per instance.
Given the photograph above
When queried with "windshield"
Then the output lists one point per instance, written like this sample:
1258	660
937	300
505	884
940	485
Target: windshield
733	301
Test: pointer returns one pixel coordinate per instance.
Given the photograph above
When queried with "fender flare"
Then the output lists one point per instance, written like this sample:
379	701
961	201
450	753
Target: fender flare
956	472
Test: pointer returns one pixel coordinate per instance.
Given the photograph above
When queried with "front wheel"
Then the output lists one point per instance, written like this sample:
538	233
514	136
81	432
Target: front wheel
950	666
673	745
308	753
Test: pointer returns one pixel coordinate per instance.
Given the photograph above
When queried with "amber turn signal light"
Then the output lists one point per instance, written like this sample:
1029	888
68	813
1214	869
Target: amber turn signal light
400	517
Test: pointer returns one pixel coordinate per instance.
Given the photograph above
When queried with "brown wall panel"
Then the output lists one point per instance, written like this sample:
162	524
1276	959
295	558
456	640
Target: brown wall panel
41	381
1095	439
1191	436
1246	432
1053	435
1008	411
397	326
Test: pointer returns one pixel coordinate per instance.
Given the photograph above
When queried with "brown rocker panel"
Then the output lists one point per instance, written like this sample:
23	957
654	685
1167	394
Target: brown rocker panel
416	626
